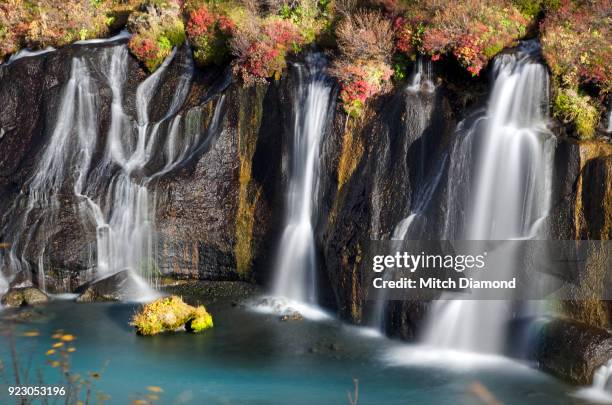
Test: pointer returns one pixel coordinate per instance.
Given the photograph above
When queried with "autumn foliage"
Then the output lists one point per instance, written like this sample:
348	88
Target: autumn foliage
473	31
37	24
365	42
575	38
156	29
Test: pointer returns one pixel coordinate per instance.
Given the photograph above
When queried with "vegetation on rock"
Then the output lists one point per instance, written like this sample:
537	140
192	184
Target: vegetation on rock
37	24
473	31
169	314
572	107
575	39
156	29
20	297
373	38
365	41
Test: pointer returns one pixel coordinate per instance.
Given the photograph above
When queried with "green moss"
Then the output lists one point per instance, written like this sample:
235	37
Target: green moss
168	314
577	109
249	122
201	320
493	49
208	51
175	33
529	8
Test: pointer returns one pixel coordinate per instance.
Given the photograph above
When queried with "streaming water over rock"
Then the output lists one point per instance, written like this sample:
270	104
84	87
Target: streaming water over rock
295	266
113	192
419	110
600	390
500	182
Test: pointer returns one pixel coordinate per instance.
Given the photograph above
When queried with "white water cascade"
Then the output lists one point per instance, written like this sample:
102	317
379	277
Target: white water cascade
295	266
510	152
419	110
113	191
600	390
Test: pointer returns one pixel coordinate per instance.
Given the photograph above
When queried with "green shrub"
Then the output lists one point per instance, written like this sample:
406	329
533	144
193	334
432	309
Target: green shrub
156	30
577	109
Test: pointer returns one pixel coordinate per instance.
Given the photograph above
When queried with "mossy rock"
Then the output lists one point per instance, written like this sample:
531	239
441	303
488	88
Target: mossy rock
21	297
200	320
169	314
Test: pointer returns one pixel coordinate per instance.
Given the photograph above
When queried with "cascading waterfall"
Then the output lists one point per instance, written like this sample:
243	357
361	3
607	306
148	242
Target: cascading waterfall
507	196
113	192
70	145
418	115
295	268
600	390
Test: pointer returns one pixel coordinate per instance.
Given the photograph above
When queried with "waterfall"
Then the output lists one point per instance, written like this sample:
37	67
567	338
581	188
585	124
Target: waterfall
507	157
113	192
70	146
295	265
600	390
419	110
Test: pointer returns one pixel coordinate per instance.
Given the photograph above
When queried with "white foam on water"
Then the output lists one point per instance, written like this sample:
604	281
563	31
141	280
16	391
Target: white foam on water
280	306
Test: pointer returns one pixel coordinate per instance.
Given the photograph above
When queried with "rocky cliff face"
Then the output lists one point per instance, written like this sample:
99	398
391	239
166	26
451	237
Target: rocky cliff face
214	210
218	212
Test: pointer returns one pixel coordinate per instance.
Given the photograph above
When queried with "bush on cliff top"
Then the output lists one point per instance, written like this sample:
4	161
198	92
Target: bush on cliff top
169	314
575	38
473	31
37	24
156	29
577	109
363	68
263	36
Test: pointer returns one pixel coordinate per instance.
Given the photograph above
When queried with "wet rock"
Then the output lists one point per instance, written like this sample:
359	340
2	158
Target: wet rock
22	315
293	316
117	287
581	195
365	198
21	297
572	350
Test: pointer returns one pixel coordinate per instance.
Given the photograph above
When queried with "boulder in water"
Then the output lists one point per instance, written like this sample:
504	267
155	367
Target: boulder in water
21	297
572	350
170	314
117	287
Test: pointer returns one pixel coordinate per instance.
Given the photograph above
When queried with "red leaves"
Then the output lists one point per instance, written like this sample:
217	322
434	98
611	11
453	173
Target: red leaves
261	52
575	43
473	31
226	25
143	48
283	33
201	21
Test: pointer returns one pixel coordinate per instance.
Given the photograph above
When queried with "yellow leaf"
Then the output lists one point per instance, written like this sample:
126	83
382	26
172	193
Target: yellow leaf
71	350
50	352
58	344
31	333
68	338
154	388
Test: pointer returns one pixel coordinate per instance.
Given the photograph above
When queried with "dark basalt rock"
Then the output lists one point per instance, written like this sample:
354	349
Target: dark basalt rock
572	350
21	297
596	199
117	287
396	162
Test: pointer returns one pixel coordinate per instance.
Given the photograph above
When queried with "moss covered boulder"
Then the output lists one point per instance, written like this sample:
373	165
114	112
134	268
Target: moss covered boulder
21	297
170	314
